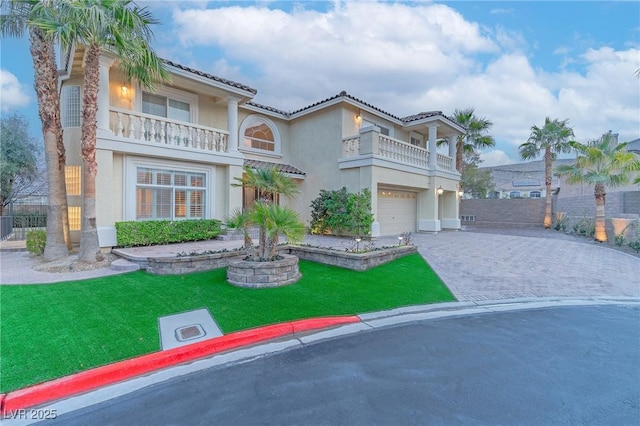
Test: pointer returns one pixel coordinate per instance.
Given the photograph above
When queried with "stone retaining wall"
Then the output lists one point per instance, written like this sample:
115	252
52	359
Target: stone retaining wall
355	261
244	273
207	262
188	264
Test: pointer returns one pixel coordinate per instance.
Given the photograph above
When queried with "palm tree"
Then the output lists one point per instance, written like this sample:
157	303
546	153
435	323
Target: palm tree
601	163
552	139
242	221
275	220
475	138
268	182
123	29
270	218
14	22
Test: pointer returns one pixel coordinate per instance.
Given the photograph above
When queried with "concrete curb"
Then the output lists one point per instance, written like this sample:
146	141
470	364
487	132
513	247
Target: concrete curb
88	380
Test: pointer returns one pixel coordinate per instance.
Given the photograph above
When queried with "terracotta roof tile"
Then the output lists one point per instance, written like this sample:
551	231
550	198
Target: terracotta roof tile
282	168
212	77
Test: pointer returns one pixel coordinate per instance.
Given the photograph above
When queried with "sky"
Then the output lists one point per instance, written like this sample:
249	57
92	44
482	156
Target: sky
514	62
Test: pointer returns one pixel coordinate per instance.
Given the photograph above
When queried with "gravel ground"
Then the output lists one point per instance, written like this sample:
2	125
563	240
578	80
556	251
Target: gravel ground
71	264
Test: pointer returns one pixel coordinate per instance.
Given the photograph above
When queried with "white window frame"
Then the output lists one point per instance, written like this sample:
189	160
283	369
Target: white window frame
370	120
69	110
131	182
419	137
252	120
178	95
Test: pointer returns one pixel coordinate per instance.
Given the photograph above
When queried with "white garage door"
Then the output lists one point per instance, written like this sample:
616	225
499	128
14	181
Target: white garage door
397	211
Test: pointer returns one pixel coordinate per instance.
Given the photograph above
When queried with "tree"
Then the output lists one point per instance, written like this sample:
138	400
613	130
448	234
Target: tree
123	29
475	181
476	136
13	22
271	218
601	163
551	139
18	162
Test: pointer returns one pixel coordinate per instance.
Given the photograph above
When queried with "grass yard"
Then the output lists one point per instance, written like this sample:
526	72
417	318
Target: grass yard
52	330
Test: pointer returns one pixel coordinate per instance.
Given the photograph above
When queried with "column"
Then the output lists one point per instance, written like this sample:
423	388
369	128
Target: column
452	148
232	123
433	156
103	93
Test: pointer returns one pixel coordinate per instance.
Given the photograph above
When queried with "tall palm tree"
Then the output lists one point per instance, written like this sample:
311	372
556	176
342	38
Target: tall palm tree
14	22
122	28
551	139
476	136
601	163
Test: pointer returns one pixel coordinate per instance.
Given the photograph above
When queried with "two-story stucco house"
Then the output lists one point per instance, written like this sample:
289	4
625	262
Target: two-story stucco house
173	154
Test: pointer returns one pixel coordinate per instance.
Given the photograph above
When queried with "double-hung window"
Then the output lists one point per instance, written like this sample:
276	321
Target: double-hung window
164	106
169	194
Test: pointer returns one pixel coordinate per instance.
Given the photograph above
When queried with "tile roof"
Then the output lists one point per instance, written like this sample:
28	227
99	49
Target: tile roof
211	77
267	108
282	168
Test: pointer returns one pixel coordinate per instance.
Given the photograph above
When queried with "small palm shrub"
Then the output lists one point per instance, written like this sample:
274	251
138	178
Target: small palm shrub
36	240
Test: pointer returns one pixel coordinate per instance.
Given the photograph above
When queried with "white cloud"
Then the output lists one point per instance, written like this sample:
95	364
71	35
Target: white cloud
407	58
360	47
12	93
495	158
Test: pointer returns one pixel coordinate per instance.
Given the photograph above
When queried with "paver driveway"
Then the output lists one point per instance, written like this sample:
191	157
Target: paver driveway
485	266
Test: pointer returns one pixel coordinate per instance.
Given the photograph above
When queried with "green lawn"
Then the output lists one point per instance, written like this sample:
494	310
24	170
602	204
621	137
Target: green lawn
52	330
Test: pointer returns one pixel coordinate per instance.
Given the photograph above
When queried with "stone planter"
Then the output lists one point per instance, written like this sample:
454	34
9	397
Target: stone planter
243	273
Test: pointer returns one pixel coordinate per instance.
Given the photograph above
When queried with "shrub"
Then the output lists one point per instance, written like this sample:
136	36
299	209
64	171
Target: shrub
561	221
635	245
585	226
342	213
150	232
36	240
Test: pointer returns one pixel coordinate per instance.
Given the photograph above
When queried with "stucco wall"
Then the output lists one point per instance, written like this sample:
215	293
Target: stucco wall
315	146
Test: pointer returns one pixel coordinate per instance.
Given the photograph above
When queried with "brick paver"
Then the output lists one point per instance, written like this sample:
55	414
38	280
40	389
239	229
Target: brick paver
482	266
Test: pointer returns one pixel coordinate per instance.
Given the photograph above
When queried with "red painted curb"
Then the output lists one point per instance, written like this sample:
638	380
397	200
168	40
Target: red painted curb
84	381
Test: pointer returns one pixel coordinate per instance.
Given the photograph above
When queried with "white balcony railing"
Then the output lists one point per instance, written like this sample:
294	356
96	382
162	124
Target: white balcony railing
402	151
394	149
159	130
445	162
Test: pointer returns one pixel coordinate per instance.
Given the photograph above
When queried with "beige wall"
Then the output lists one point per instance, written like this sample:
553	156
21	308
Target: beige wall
316	145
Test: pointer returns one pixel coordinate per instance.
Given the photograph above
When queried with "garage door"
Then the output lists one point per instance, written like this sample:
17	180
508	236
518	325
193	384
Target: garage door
397	211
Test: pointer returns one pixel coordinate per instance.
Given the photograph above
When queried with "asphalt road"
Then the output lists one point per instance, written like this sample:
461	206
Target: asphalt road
561	365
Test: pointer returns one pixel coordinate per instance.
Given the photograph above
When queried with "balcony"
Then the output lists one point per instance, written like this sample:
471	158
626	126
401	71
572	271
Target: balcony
154	130
385	147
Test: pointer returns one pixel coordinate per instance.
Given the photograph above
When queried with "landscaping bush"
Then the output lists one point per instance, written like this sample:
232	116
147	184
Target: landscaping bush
342	213
36	240
150	232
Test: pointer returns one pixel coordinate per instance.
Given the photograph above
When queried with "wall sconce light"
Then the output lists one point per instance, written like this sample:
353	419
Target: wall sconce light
460	191
358	117
124	89
440	190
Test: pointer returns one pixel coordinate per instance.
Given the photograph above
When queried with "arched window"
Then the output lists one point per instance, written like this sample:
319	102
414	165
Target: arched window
259	134
515	194
534	194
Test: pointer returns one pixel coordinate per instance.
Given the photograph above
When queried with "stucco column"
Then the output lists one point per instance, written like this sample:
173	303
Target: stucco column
103	93
232	123
452	147
433	156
